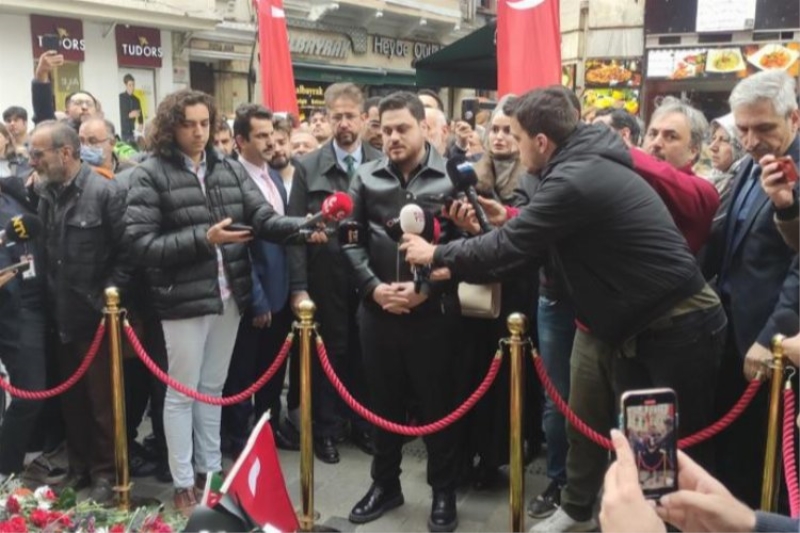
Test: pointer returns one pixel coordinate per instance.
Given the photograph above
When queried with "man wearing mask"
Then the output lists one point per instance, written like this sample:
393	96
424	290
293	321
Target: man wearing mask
321	271
97	147
82	215
751	263
406	336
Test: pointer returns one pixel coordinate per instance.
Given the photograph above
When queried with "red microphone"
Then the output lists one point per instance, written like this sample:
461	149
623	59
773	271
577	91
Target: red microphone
335	207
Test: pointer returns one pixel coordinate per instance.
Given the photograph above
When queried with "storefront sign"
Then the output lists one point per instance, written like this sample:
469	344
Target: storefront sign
613	73
66	34
725	15
329	46
138	47
391	47
310	95
729	62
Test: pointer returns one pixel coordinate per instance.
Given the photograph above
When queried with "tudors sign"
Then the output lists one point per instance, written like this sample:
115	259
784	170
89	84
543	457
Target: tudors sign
138	46
67	33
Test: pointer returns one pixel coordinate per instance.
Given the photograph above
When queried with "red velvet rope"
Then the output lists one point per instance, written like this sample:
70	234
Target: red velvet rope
205	398
647	468
789	460
411	431
94	348
600	440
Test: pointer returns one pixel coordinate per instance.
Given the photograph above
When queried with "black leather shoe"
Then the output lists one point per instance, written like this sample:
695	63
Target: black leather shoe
326	451
363	439
443	512
139	466
377	501
163	474
286	441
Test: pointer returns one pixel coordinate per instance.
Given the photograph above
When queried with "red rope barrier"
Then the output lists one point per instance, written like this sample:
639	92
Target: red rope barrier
600	440
205	398
789	461
388	425
94	348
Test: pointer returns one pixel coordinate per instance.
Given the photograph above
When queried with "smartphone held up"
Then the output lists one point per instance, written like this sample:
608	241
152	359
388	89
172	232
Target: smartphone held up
649	419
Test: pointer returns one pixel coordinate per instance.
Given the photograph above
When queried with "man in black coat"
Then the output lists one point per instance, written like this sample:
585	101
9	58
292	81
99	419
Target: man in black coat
751	263
646	317
322	272
82	213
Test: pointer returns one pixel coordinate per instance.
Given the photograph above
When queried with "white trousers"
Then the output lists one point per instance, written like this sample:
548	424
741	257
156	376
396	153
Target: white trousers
198	352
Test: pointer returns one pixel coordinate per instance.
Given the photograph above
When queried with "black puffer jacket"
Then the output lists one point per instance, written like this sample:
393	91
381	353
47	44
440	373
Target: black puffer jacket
167	219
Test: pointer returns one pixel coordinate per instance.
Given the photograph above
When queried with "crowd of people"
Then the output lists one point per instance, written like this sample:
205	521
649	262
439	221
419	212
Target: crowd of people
636	272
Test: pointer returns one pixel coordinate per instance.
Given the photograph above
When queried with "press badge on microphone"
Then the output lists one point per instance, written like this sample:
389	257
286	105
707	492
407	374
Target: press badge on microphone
30	272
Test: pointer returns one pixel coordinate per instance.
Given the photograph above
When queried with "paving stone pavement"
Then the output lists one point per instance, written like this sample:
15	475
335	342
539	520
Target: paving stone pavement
338	487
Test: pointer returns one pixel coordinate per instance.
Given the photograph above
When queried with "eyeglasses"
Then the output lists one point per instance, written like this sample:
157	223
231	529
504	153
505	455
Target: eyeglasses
91	141
82	102
349	117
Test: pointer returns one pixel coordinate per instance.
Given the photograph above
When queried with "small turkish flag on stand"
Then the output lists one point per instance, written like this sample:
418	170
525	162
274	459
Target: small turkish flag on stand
528	45
277	77
256	483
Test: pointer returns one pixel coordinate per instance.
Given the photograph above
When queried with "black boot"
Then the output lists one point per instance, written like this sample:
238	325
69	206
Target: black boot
377	501
443	511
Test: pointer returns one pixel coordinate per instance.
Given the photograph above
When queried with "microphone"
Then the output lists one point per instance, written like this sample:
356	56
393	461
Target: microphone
462	175
302	235
787	322
21	228
351	232
335	207
414	220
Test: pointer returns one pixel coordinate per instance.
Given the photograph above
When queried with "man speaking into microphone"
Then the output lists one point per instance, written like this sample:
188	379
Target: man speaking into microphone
406	336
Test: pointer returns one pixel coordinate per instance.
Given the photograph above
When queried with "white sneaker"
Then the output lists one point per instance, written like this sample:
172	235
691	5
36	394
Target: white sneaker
560	522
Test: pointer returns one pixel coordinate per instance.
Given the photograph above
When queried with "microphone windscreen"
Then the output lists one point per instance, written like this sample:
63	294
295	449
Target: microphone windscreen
461	173
23	227
337	206
787	322
351	232
412	219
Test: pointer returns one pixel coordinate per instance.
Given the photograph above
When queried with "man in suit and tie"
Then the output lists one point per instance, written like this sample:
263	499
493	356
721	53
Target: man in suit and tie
264	328
322	273
751	263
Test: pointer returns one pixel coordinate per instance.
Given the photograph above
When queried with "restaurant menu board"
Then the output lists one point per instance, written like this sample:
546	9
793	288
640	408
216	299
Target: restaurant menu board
725	15
627	99
731	62
613	73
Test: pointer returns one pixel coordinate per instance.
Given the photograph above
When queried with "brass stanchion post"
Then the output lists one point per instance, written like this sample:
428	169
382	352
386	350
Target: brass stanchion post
517	326
112	311
305	311
769	481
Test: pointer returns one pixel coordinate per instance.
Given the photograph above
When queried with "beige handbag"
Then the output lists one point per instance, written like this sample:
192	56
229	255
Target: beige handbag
479	301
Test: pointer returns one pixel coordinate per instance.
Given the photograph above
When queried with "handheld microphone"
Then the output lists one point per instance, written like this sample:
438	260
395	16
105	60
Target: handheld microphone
462	175
21	228
302	235
335	207
414	220
351	232
787	322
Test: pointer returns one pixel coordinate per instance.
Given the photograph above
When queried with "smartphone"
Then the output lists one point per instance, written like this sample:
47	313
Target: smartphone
22	266
50	41
788	168
469	109
239	227
649	418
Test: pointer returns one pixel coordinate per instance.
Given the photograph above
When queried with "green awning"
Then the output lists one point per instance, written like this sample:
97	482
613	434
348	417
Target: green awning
321	72
470	62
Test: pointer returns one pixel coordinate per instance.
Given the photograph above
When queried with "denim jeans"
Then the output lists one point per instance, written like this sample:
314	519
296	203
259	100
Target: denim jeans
556	324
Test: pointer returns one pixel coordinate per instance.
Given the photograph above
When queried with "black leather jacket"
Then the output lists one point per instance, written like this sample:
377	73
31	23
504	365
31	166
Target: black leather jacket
379	193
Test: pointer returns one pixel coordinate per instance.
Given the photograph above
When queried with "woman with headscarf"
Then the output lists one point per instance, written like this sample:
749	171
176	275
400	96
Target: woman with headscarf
726	153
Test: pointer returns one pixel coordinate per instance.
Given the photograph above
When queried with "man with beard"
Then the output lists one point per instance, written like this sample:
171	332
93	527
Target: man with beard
80	105
281	160
82	213
372	124
322	272
405	335
320	125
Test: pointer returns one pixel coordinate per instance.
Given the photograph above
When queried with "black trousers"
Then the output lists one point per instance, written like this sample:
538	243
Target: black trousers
26	368
255	350
409	360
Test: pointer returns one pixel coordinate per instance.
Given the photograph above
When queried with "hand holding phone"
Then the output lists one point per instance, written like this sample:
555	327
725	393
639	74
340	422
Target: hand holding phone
18	267
788	168
240	227
650	422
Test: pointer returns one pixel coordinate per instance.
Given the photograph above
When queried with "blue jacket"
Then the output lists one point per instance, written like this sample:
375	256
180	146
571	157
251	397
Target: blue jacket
270	273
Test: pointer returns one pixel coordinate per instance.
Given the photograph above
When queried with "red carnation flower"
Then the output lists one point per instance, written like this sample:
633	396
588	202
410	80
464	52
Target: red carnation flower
19	524
40	518
117	528
12	505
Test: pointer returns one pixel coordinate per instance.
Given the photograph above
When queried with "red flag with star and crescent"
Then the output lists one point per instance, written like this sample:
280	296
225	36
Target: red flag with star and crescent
528	45
277	78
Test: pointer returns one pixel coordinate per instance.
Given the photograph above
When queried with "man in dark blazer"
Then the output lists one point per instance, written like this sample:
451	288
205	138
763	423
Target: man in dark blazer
321	272
751	262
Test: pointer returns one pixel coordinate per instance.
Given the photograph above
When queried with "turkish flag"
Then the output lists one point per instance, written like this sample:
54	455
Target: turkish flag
277	77
256	483
528	45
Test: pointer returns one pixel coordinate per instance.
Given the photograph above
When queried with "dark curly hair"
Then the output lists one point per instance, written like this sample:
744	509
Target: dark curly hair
171	112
